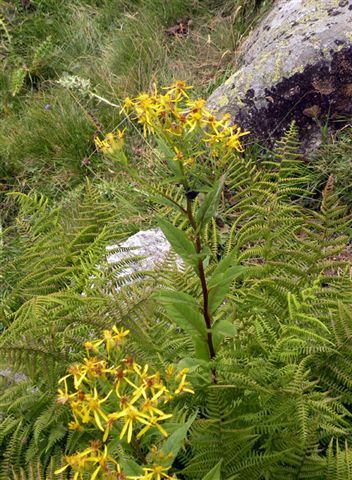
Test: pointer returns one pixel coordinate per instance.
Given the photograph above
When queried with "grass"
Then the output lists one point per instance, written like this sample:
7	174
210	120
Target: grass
335	157
47	136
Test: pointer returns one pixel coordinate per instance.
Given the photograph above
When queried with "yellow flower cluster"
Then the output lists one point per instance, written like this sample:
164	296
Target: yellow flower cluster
174	116
93	460
112	142
119	398
155	472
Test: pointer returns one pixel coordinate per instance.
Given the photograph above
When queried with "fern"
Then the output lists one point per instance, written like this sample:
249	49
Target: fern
47	317
17	80
281	404
35	471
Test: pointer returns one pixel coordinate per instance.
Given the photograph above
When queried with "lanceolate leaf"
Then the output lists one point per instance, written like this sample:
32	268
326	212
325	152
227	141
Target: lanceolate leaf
222	329
219	285
179	242
210	204
174	443
201	348
183	310
130	467
215	473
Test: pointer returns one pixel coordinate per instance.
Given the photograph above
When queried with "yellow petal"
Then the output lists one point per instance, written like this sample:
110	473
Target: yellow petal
96	471
124	428
98	422
60	470
130	431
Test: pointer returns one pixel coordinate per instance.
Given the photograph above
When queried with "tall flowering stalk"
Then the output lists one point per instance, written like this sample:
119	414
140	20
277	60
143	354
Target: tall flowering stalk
114	394
196	145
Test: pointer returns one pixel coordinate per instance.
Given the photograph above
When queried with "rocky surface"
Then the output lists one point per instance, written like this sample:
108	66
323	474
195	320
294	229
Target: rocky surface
151	245
296	64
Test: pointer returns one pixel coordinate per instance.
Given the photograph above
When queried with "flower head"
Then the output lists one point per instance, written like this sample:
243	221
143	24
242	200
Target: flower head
155	472
112	142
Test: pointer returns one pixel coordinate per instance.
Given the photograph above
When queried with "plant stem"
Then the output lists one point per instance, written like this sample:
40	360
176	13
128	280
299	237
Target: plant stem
203	281
137	448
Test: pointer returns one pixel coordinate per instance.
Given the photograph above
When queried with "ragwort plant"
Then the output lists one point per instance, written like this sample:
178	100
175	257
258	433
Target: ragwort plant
196	146
193	140
197	149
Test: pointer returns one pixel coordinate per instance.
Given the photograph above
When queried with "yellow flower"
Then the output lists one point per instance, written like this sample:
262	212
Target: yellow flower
132	366
120	379
169	371
78	464
130	415
165	104
139	391
90	409
195	113
90	347
183	386
178	90
82	462
112	417
154	422
128	104
233	142
74	425
111	143
103	460
179	155
146	108
112	338
63	395
155	472
91	368
190	161
149	406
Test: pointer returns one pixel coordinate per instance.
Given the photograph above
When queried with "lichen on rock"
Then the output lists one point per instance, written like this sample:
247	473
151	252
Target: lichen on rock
296	65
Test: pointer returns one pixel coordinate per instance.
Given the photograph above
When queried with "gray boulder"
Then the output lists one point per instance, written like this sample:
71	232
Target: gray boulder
296	65
150	249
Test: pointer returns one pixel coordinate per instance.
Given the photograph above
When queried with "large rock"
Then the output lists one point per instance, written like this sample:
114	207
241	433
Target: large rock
149	248
297	64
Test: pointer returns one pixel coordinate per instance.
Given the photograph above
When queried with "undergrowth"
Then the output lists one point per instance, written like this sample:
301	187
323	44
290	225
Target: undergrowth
122	47
255	325
253	329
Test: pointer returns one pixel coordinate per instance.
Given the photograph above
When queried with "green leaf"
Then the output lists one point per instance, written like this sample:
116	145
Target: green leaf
179	242
165	148
215	473
225	263
174	443
169	154
182	309
201	348
222	329
210	204
130	467
160	200
193	364
219	285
